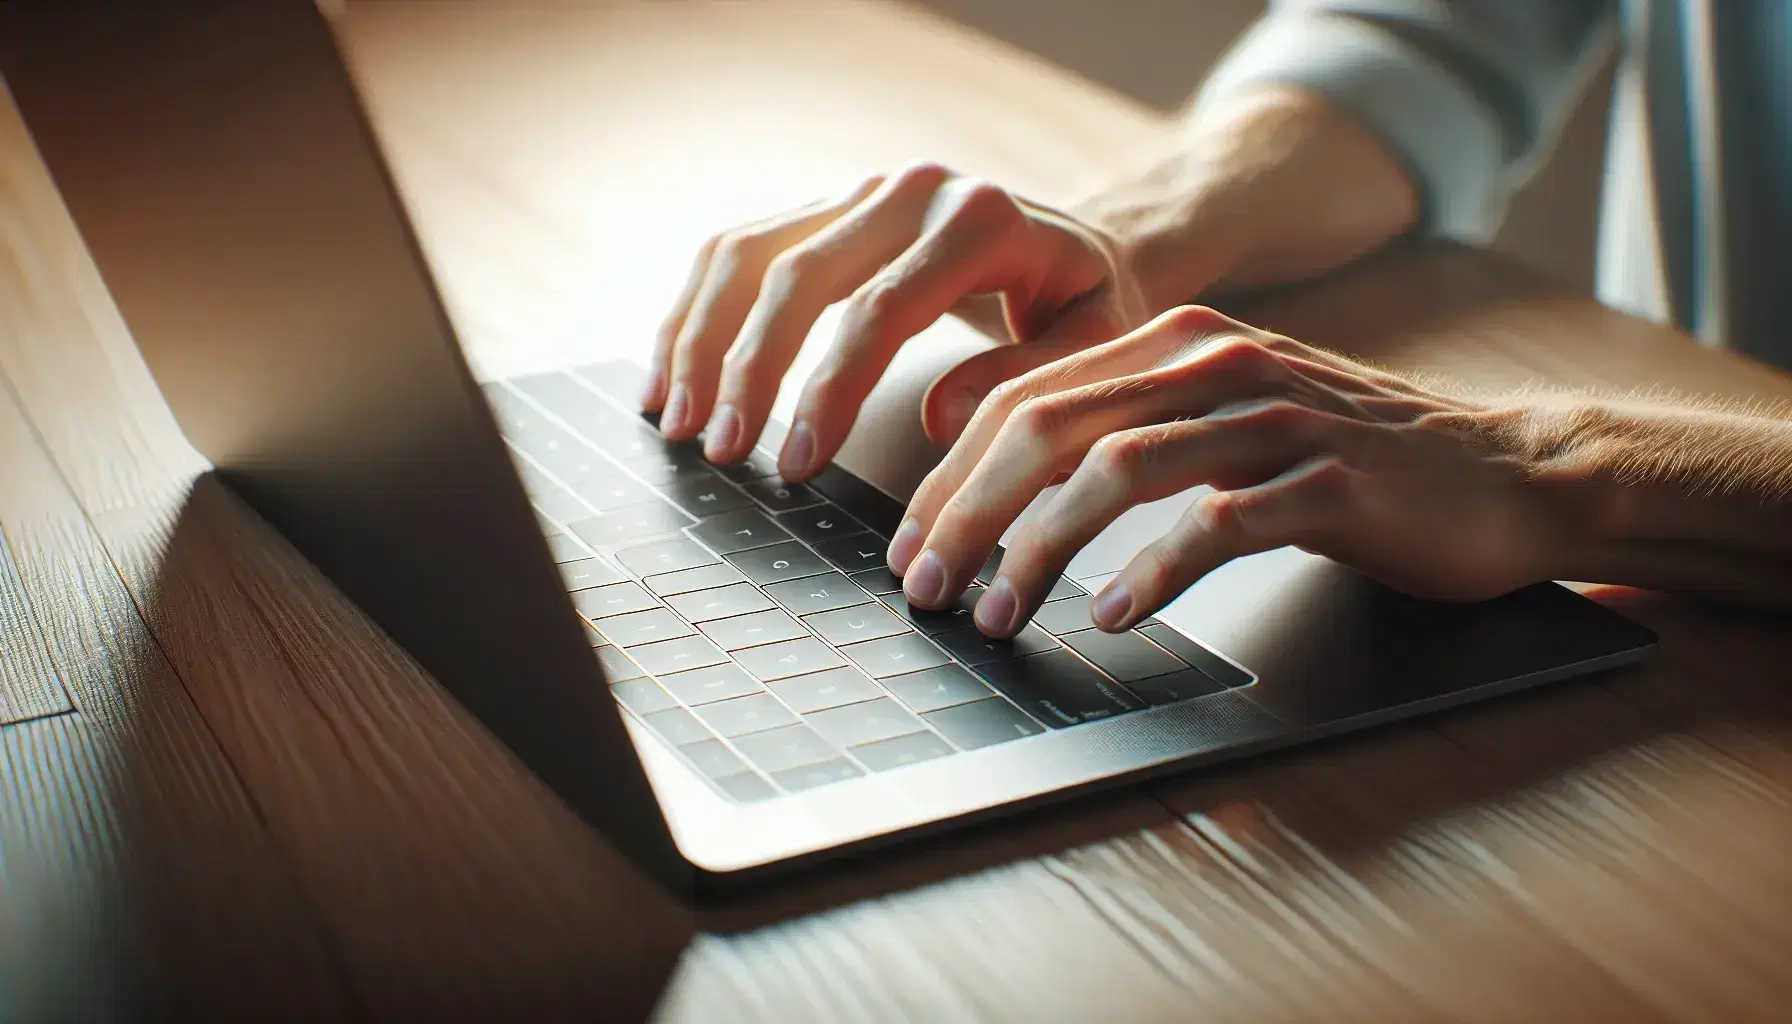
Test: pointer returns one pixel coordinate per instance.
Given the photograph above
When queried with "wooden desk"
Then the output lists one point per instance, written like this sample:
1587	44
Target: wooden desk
221	787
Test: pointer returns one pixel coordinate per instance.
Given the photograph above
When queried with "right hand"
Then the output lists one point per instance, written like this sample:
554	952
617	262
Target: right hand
901	251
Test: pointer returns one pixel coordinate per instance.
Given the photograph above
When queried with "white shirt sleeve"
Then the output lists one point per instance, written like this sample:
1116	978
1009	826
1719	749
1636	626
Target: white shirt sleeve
1467	94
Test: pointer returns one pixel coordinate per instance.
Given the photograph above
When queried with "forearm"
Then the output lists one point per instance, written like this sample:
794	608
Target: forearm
1668	497
1262	187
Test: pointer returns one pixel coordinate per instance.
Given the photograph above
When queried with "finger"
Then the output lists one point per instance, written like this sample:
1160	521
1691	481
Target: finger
1302	506
954	396
801	282
979	243
1140	350
1234	447
735	263
1011	451
659	371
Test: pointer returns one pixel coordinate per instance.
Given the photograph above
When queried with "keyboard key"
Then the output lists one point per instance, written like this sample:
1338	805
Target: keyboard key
642	627
720	603
973	648
958	616
938	688
1064	588
742	715
894	655
671	656
560	505
703	577
778	749
757	464
666	556
564	396
991	565
617	666
522	424
878	581
705	685
823	522
821	593
618	378
791	658
589	572
1058	689
629	523
643	696
567	549
900	751
746	787
592	636
856	553
982	723
610	493
713	758
830	689
615	599
1125	656
678	726
654	460
810	776
787	561
1066	616
1174	687
738	531
702	497
742	631
866	503
864	722
851	625
1217	668
775	495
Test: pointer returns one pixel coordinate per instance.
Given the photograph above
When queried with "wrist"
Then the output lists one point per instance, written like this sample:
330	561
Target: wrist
1266	186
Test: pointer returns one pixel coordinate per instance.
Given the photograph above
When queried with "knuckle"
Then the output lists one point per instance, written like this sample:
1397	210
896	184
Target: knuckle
1121	457
1040	416
1222	515
983	201
1243	357
1331	476
871	306
1008	394
1195	322
789	269
1278	416
919	176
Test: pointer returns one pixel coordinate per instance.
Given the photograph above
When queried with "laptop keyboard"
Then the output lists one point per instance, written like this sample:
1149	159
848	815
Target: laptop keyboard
752	625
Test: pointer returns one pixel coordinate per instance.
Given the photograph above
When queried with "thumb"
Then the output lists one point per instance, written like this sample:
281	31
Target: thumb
954	396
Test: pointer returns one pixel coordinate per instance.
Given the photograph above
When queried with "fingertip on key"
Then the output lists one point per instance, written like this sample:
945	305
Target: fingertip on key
797	460
904	546
925	583
997	609
722	435
677	411
1112	608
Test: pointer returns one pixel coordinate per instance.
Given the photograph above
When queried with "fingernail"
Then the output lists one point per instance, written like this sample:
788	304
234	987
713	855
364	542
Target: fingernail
960	407
1112	607
798	459
653	392
904	545
925	583
678	403
722	433
996	609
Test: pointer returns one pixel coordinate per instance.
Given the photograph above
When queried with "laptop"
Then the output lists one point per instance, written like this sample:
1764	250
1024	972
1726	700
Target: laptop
712	666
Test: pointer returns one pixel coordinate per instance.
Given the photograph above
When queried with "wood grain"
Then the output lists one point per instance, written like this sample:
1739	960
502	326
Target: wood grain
249	798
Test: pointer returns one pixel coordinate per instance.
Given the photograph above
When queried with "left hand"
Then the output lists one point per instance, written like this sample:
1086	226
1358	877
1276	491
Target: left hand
1430	493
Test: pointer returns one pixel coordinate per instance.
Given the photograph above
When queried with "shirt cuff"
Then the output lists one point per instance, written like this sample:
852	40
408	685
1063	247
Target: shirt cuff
1449	142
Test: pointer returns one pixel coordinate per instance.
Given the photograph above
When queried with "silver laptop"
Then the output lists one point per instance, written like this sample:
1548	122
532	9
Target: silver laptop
713	667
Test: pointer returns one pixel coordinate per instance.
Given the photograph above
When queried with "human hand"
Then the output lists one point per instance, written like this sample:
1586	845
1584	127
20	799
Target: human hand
900	251
1428	492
